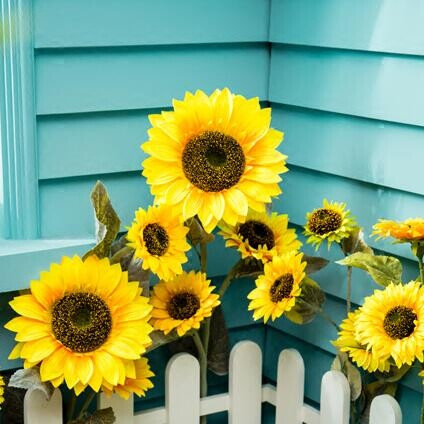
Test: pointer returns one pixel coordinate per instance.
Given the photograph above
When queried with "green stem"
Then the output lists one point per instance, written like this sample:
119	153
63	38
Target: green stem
203	256
329	319
349	289
71	407
421	267
203	361
90	397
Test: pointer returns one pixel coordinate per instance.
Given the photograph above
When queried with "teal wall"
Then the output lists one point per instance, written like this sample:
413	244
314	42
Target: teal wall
345	80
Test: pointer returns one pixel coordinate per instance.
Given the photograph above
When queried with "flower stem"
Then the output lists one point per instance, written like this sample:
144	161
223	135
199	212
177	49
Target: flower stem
421	267
203	256
90	397
422	410
203	361
349	289
71	407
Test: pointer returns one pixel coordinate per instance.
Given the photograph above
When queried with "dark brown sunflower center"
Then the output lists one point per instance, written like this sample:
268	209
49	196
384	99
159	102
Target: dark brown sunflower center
257	234
183	305
281	288
213	161
81	321
323	221
155	239
399	322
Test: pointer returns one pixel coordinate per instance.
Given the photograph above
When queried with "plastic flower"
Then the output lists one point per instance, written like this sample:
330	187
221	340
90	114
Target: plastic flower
159	238
277	289
261	236
332	222
391	322
365	358
137	381
182	303
82	321
409	230
214	156
1	390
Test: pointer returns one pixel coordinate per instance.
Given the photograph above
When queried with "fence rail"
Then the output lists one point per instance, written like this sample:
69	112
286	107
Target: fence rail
243	400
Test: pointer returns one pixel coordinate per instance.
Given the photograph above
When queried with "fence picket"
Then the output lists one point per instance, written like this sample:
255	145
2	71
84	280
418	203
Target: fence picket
335	398
290	387
37	409
183	389
385	410
245	384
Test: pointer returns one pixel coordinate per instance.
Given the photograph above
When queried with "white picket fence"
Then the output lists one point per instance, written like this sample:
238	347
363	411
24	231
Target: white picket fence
243	401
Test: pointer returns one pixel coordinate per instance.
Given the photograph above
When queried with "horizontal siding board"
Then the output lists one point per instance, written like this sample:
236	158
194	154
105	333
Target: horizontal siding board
148	22
385	26
303	190
88	80
369	150
387	87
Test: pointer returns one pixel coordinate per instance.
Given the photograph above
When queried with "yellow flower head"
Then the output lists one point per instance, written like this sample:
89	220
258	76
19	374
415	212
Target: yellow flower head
365	358
261	236
159	238
182	303
409	230
391	322
81	323
332	222
277	289
137	381
1	390
214	156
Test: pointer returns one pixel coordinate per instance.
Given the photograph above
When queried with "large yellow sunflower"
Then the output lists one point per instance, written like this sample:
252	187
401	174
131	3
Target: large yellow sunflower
214	156
410	230
159	238
332	222
261	236
391	322
81	323
137	381
365	358
182	303
1	390
277	289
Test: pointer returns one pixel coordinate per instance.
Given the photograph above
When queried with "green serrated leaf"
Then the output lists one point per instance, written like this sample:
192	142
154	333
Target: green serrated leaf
314	263
137	273
197	234
107	221
30	379
219	345
102	416
249	267
355	243
382	269
342	363
394	374
308	304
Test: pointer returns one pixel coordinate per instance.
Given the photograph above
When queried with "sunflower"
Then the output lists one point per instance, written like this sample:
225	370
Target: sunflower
277	289
410	230
365	358
82	321
332	222
261	236
137	381
1	390
159	238
214	156
182	303
391	322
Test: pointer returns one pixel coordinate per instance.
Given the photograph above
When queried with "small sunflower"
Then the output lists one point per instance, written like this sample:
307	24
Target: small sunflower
261	236
137	381
365	358
410	230
277	289
182	303
159	238
332	222
1	390
214	156
82	321
391	322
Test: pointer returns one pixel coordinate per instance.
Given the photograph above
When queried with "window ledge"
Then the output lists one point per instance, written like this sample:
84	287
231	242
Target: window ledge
22	260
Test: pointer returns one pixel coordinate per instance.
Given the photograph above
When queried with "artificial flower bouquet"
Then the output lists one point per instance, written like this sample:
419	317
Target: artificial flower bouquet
213	167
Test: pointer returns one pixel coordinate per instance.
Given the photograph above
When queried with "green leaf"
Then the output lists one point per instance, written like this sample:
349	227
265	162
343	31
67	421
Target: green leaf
249	267
159	339
107	221
102	416
356	243
197	234
342	363
382	269
219	345
314	263
137	273
394	374
308	304
30	379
